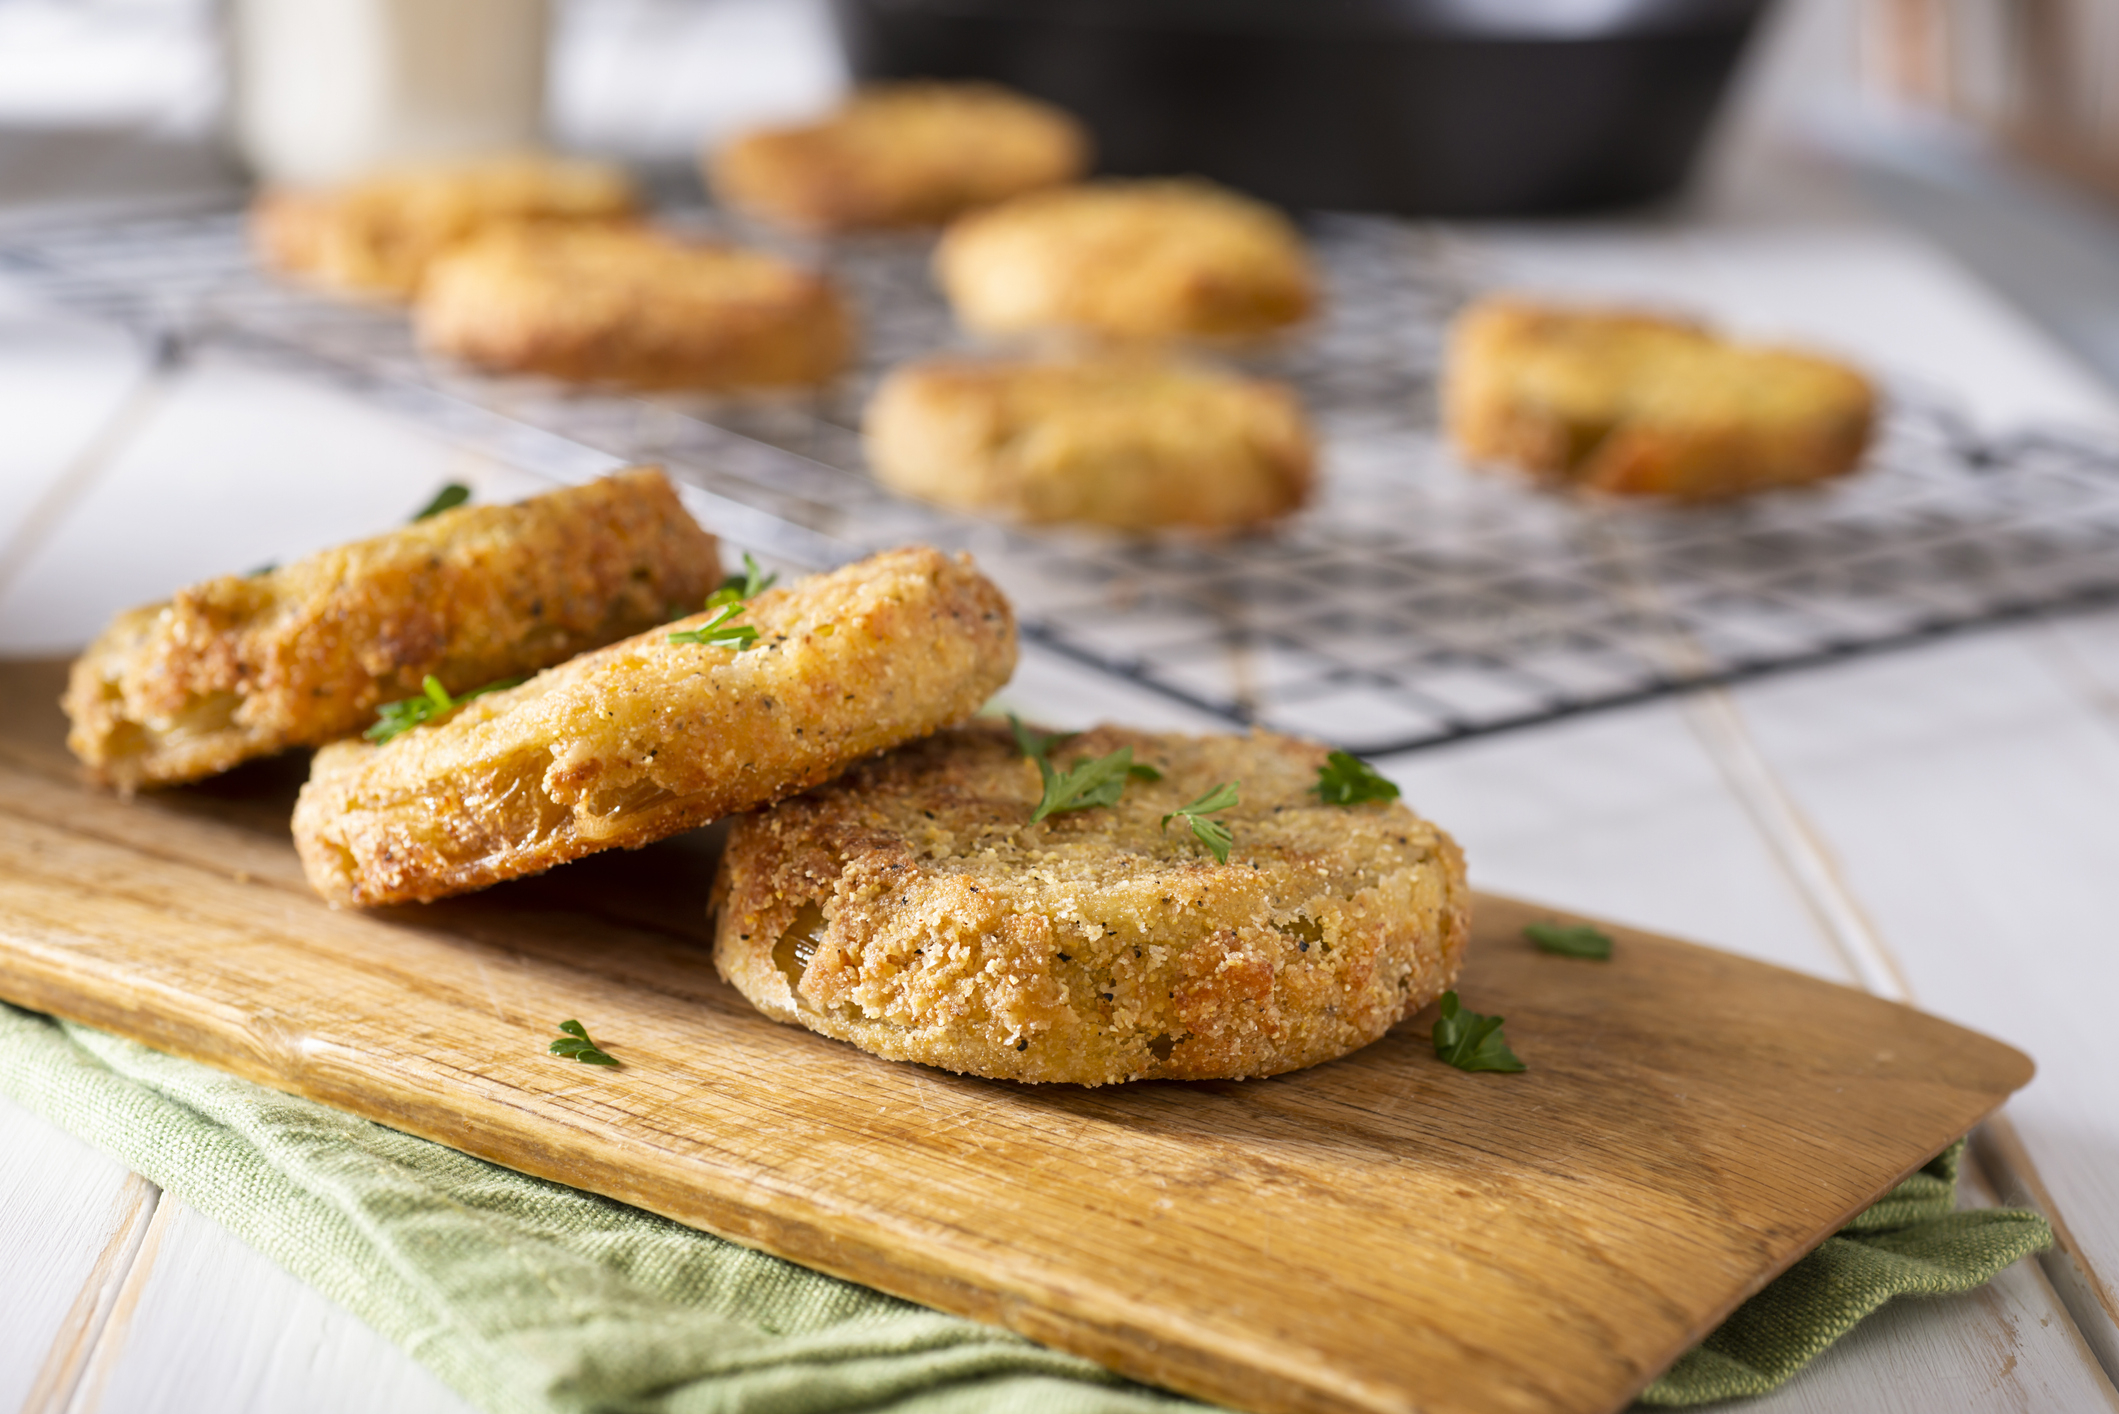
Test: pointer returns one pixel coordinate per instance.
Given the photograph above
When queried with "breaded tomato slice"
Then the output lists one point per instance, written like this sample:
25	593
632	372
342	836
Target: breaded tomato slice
379	233
912	908
903	154
1148	260
1638	404
1139	444
247	665
652	736
633	306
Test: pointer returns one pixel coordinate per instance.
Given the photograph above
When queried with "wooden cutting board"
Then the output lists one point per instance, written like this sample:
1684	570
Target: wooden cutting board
1380	1233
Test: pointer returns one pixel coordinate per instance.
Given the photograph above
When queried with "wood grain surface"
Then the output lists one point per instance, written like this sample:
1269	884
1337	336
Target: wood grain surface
1381	1233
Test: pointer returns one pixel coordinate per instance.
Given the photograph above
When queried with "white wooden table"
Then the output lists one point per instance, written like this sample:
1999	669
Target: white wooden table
1936	824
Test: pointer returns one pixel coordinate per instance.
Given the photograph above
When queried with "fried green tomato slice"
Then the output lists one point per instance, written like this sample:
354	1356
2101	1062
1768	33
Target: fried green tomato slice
651	736
1634	404
247	665
912	909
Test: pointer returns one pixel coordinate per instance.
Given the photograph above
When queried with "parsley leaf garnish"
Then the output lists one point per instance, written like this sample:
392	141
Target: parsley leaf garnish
719	631
1349	780
1570	940
1212	833
395	718
447	499
722	631
739	587
1089	783
1470	1041
1031	742
576	1045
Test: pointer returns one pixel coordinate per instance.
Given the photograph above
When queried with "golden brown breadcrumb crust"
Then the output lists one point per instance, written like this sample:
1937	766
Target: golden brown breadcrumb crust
911	154
378	235
910	908
1637	404
648	737
633	306
1132	443
1148	260
246	665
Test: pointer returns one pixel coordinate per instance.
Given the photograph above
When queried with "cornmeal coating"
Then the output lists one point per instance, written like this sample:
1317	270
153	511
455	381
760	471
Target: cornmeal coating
648	737
1134	443
635	306
1150	260
246	665
912	909
909	154
379	234
1638	404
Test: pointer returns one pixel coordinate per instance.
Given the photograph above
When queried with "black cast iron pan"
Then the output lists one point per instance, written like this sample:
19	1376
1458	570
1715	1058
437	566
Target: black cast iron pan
1426	107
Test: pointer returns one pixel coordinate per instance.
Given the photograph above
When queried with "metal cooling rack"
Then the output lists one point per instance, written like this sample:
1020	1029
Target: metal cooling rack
1416	602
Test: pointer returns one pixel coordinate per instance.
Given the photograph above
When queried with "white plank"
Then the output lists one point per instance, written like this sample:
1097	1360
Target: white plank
70	1218
135	66
2084	649
1631	815
239	467
1054	691
206	1322
2007	1345
61	381
2003	1156
1965	792
1622	814
661	78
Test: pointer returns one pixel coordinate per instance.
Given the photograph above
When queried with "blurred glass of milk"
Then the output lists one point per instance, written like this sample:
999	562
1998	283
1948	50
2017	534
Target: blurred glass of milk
326	89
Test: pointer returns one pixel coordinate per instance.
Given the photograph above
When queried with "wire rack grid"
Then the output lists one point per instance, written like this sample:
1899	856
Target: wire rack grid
1415	602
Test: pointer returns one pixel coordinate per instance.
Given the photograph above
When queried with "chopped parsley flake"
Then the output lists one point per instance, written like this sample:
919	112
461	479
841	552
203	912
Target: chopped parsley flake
720	631
447	499
1087	784
576	1045
1348	780
1216	836
393	719
1570	940
1470	1041
739	587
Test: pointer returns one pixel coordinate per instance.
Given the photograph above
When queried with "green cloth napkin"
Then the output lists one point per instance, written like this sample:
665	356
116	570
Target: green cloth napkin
1911	1243
529	1296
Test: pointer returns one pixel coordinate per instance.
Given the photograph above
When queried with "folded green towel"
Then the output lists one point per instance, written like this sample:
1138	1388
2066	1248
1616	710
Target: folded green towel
1911	1243
530	1296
